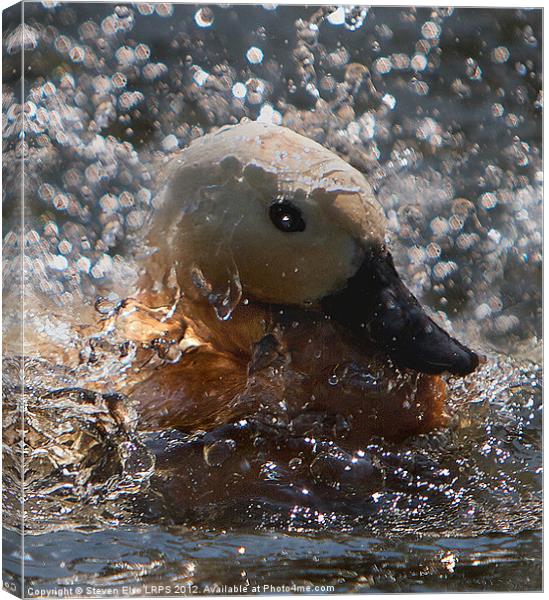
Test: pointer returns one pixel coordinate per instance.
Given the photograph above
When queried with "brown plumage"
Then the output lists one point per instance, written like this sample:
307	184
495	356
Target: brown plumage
277	364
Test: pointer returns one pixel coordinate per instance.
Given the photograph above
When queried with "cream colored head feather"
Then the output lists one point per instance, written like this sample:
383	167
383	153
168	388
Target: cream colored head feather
261	208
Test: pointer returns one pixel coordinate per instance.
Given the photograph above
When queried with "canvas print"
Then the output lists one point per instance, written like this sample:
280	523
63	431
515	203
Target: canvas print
271	299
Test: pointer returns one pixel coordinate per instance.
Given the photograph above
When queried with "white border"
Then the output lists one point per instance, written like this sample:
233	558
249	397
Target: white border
423	3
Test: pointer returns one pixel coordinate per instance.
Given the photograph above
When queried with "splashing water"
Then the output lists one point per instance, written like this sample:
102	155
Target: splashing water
441	108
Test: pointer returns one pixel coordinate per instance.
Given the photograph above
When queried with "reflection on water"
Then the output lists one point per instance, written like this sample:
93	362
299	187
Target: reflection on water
442	109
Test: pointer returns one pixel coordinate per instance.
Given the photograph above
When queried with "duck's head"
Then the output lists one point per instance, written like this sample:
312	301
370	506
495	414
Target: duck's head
256	213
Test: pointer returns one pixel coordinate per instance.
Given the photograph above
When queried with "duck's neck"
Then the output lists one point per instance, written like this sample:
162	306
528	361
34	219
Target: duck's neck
236	334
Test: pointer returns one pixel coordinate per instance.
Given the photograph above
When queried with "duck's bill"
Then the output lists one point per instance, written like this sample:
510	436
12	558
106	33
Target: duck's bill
379	308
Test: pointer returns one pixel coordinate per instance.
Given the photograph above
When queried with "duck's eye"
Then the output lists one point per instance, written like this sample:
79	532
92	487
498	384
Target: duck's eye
286	216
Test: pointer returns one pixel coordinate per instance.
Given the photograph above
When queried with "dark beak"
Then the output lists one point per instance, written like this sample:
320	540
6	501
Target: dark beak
380	309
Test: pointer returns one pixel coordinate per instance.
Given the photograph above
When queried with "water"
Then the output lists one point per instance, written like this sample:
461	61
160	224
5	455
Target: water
442	109
178	558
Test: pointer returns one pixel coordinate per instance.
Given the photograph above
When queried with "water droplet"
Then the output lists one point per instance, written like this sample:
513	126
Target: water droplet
254	55
145	8
164	10
418	62
170	143
430	30
337	17
239	90
217	453
500	55
204	17
389	101
200	76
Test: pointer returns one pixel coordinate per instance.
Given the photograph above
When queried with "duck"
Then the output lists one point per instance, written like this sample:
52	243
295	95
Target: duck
270	285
